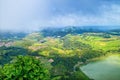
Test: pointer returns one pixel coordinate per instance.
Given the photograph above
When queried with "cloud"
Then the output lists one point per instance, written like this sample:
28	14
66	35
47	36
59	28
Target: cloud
17	15
110	15
32	15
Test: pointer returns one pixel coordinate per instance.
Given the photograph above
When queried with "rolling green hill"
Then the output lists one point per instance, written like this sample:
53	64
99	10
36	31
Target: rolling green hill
62	53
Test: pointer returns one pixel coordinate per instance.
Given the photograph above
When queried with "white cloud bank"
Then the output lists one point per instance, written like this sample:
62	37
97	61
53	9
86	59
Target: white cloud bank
19	15
110	15
30	15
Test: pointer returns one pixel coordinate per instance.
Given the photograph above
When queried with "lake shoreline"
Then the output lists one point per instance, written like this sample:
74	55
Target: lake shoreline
95	69
98	58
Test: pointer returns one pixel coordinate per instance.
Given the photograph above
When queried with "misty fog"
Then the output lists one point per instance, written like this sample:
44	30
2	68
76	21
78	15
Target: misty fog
34	15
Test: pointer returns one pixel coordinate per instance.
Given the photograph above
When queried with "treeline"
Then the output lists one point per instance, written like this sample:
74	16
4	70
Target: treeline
62	31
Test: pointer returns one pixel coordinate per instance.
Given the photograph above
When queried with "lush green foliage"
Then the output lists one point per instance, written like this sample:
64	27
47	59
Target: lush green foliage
64	53
24	68
7	53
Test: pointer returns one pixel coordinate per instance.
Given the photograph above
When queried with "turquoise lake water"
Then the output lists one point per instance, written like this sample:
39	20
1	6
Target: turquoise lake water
103	69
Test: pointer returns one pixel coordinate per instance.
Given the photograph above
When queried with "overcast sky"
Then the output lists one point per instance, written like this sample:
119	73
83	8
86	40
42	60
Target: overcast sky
25	15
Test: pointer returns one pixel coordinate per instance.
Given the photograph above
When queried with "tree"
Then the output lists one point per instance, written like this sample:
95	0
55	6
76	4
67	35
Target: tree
78	75
24	68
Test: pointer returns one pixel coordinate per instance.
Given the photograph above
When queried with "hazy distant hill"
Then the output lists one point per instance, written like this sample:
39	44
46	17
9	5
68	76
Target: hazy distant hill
11	35
62	31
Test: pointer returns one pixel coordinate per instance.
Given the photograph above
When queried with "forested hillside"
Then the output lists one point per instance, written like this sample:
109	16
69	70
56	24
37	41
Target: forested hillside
54	56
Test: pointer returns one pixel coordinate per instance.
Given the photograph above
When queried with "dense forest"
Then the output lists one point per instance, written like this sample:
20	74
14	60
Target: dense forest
54	54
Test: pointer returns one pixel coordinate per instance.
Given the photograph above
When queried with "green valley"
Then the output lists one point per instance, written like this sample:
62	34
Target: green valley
61	56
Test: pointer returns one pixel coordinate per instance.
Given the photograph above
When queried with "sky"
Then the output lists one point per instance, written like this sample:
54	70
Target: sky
32	15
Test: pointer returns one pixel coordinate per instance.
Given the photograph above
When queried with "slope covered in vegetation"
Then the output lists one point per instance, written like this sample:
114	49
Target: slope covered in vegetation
60	55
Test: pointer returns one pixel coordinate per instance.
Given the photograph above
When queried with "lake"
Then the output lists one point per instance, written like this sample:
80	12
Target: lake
107	68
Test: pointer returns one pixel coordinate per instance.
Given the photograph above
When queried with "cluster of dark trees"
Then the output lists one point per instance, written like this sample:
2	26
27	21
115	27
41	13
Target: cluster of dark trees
62	31
8	53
